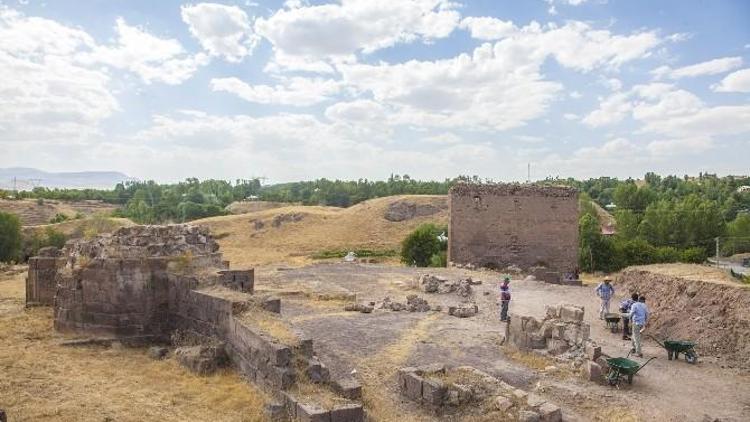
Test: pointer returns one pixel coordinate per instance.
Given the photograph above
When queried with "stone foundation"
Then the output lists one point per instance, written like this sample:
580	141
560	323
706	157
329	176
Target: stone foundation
561	330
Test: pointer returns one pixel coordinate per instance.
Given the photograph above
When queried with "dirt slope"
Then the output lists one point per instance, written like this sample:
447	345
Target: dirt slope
291	234
714	313
32	213
244	207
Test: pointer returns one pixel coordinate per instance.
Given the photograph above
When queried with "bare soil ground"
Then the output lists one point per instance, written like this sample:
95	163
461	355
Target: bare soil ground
33	213
244	207
43	381
377	344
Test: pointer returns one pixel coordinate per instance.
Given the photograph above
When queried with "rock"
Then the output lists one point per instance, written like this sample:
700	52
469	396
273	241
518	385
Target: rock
274	412
157	352
550	369
548	412
312	413
503	403
348	387
529	278
3	416
570	313
272	304
202	360
348	413
520	394
433	392
415	303
528	416
535	400
406	210
317	372
592	371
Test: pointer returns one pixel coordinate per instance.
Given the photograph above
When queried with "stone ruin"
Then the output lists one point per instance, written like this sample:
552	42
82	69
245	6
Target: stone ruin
561	332
465	391
502	225
170	285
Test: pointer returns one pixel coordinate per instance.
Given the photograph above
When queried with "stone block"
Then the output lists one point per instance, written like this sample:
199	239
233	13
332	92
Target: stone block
546	329
413	386
465	394
157	352
557	346
312	413
558	331
403	373
503	403
290	404
348	413
520	395
272	304
549	412
569	313
275	412
317	372
348	387
602	362
537	341
534	400
305	348
433	392
528	416
592	371
596	351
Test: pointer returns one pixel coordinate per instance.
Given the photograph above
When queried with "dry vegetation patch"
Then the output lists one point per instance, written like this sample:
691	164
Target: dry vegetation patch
43	380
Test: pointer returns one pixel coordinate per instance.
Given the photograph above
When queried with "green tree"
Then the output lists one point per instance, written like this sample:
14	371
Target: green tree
421	245
10	237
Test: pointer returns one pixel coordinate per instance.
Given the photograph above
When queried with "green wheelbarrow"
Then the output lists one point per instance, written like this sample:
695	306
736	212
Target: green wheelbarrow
620	368
675	347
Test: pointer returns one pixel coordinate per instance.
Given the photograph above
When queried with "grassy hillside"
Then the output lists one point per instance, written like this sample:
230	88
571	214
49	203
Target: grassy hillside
33	212
293	234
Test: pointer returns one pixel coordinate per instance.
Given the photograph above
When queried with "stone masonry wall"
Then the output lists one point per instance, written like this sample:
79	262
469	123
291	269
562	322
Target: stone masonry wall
522	225
41	283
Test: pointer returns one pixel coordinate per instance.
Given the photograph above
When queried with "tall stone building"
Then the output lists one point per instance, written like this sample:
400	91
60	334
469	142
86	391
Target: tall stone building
497	225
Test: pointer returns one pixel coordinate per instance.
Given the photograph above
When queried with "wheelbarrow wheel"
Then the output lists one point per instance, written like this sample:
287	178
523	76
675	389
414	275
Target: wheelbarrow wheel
669	354
630	379
691	357
613	377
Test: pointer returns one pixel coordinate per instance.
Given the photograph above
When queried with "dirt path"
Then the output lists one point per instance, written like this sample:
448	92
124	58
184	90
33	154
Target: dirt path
663	391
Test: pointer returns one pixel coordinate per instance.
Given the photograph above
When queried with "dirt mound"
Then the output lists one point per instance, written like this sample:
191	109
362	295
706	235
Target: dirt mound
714	314
302	231
244	207
33	212
406	210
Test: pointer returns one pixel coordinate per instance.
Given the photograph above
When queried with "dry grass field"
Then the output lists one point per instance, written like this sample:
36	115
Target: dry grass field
316	229
44	381
33	213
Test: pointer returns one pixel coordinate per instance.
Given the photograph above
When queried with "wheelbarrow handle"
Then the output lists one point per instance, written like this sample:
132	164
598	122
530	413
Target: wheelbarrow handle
656	340
647	362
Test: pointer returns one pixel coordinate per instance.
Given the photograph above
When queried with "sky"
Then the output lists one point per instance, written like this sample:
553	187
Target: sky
352	89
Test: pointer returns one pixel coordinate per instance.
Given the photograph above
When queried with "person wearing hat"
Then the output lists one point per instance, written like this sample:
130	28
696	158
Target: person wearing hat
504	298
605	291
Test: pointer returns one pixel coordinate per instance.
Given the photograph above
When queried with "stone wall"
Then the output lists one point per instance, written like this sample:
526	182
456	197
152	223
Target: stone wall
41	283
511	224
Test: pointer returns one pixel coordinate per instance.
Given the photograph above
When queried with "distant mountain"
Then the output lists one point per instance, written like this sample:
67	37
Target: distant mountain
28	178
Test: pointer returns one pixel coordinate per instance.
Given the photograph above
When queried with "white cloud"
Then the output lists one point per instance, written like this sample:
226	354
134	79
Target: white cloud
335	32
224	31
710	67
611	110
488	28
575	95
296	91
446	138
150	57
45	95
671	147
738	81
357	112
570	116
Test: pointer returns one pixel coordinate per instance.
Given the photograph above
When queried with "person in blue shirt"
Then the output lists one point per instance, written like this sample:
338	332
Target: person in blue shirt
639	320
605	291
625	314
504	299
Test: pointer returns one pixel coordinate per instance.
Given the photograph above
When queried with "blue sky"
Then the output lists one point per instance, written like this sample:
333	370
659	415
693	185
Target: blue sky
361	89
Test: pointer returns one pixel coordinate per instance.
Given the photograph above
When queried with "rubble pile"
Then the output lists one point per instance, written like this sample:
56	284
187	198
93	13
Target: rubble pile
463	311
146	241
562	332
465	390
430	283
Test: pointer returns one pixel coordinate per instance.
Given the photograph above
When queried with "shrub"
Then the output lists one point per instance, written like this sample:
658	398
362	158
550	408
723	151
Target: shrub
667	254
421	244
35	240
10	237
694	255
59	218
439	259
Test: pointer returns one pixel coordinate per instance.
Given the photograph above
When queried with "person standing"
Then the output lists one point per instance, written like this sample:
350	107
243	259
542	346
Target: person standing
625	314
605	291
638	320
504	298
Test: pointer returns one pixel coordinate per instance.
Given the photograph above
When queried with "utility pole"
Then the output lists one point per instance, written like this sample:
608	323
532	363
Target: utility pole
717	251
528	173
